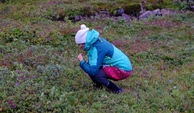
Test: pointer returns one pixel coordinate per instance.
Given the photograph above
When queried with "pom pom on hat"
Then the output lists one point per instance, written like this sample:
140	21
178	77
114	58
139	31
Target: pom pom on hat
80	36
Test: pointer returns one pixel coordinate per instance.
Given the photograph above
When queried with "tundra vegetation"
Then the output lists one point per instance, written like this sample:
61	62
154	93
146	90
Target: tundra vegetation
39	71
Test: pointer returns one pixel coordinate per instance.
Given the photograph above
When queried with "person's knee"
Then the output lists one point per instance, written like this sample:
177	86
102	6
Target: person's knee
96	78
101	74
100	77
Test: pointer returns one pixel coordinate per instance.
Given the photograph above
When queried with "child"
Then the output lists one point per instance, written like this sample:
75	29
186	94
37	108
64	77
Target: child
105	61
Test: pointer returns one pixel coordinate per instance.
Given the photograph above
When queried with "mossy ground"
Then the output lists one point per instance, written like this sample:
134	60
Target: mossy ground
39	71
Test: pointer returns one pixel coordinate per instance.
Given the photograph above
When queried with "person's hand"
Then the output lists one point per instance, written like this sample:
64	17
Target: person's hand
80	57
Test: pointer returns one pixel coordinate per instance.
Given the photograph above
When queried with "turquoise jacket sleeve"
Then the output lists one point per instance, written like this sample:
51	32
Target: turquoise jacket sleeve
91	70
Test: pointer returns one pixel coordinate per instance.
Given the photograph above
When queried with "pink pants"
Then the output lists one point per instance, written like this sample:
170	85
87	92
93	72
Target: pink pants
115	73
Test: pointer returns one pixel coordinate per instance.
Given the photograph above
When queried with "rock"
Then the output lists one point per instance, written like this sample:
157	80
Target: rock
192	7
146	15
157	12
126	17
77	18
119	12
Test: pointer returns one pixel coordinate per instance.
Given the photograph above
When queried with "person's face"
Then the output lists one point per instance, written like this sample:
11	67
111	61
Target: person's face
81	45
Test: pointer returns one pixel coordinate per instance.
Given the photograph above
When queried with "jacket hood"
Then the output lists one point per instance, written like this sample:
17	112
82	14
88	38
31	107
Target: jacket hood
91	38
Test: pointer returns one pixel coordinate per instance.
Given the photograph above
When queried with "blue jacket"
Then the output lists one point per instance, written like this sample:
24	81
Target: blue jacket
101	52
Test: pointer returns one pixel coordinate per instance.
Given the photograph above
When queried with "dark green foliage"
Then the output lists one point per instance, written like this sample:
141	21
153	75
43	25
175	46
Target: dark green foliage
132	9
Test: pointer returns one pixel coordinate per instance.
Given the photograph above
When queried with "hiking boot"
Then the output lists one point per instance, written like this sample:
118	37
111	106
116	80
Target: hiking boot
112	87
119	91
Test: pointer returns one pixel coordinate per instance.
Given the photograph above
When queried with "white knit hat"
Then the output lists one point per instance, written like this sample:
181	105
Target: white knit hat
80	37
